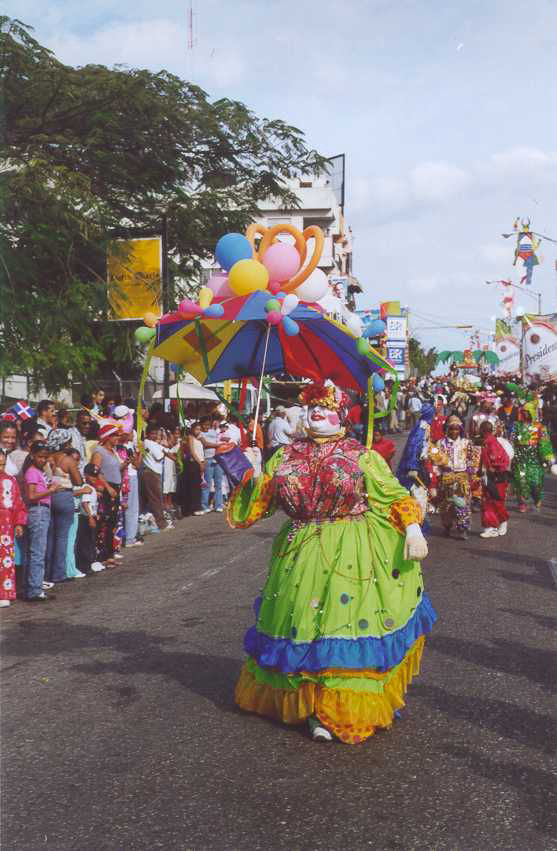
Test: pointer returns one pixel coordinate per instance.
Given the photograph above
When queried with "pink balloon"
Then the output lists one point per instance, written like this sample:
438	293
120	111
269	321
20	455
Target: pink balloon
219	285
190	308
282	261
275	286
274	317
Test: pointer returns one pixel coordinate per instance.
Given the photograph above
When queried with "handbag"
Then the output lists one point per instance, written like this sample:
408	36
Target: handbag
234	464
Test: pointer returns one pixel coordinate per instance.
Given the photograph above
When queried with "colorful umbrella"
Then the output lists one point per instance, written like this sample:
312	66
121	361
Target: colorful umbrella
241	343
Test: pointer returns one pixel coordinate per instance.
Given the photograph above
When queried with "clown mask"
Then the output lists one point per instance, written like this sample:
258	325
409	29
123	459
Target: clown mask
323	422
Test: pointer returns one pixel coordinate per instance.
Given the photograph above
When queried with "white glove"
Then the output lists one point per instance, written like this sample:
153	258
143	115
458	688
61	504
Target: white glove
415	545
553	469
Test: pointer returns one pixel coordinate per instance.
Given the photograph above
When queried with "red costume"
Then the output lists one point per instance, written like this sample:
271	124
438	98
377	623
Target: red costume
494	462
12	513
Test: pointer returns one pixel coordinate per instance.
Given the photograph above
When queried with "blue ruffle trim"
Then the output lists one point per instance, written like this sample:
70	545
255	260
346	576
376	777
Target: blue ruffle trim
381	653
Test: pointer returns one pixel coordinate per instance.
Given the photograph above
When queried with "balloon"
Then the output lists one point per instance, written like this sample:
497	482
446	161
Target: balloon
377	383
214	311
314	288
289	303
274	317
150	319
272	304
291	328
363	346
206	296
247	276
143	335
275	286
190	308
231	248
281	261
219	285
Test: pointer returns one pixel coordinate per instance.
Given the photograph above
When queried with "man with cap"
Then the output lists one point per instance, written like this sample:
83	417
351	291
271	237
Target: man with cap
279	432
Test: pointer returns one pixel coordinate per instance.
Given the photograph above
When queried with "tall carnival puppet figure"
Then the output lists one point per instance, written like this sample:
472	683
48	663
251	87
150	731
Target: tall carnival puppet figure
532	449
342	620
415	467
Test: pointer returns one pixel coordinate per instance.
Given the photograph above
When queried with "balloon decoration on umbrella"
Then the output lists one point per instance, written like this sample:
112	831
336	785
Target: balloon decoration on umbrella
259	316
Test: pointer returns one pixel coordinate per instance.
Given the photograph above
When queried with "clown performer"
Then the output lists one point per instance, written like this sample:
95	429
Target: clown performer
532	450
341	623
458	461
13	516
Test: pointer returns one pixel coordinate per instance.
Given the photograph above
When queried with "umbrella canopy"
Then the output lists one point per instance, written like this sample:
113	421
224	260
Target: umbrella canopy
187	391
233	346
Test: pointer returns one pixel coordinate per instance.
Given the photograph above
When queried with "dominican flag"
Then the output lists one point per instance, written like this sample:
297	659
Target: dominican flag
22	410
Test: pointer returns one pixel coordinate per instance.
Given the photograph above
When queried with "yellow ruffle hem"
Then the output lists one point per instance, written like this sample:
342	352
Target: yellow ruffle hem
353	716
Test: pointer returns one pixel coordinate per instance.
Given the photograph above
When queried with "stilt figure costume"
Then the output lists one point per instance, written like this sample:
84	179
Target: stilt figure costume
342	619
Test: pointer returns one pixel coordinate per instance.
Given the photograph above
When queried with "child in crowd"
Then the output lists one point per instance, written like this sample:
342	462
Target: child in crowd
86	550
13	516
72	571
38	493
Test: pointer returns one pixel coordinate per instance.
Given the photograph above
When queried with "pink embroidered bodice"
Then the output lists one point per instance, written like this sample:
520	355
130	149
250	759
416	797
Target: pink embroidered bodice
321	481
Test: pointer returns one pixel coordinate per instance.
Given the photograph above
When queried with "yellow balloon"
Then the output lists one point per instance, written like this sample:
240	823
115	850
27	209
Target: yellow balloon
247	276
205	297
150	319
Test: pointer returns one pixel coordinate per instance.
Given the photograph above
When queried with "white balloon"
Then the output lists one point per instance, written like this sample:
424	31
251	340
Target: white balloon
289	303
314	287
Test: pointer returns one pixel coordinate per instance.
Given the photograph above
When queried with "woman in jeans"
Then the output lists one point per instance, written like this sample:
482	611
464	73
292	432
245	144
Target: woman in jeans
38	495
107	459
65	473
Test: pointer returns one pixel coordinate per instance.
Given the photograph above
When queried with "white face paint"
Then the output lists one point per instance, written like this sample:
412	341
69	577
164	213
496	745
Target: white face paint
323	422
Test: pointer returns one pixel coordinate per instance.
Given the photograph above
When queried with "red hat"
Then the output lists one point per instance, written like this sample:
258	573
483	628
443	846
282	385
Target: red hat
107	430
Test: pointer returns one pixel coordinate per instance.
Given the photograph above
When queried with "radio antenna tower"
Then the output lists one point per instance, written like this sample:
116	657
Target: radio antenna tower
191	42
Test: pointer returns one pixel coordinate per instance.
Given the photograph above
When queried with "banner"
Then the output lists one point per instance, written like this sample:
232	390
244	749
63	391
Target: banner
389	308
134	270
540	347
507	348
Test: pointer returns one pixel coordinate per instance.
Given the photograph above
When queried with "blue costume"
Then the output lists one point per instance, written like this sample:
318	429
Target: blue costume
411	457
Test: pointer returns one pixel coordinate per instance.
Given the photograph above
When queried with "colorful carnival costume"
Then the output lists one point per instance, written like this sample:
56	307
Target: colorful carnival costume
495	463
342	619
458	461
532	449
12	513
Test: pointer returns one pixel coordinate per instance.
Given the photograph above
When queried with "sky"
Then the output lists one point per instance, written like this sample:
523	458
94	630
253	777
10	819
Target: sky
445	111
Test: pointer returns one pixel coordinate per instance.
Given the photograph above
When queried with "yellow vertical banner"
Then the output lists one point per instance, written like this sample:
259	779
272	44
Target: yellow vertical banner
227	391
134	272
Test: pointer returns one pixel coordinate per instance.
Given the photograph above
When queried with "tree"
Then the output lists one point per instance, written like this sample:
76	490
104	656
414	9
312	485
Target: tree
421	360
87	150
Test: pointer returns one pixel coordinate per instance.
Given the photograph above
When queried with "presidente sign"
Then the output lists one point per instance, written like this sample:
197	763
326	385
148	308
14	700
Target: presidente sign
540	347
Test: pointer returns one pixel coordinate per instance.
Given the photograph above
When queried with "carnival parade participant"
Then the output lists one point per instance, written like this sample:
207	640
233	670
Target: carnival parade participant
415	465
13	517
495	464
532	450
457	459
342	620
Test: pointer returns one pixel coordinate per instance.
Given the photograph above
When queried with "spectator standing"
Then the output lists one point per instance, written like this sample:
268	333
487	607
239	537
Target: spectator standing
192	483
414	408
13	517
80	435
106	458
8	442
151	476
38	496
46	416
279	432
209	437
72	571
65	473
86	550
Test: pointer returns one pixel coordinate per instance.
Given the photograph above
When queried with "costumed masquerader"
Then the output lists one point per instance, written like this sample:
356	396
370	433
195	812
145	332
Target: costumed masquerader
458	461
532	450
415	467
495	464
13	517
342	620
385	447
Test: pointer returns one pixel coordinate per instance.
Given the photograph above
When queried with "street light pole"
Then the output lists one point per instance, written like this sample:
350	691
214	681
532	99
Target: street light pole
165	302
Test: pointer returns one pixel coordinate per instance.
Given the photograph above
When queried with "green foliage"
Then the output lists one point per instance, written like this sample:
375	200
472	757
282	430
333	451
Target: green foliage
421	360
88	150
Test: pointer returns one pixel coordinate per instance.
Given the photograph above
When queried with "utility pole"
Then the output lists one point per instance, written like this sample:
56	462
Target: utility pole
165	300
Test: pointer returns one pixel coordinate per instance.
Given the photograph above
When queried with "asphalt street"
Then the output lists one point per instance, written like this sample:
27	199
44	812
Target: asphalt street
119	729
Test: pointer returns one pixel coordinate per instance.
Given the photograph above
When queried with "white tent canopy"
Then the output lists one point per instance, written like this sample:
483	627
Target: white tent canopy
189	392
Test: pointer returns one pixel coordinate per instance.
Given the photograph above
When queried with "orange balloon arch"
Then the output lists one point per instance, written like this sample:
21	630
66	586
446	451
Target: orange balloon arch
270	235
